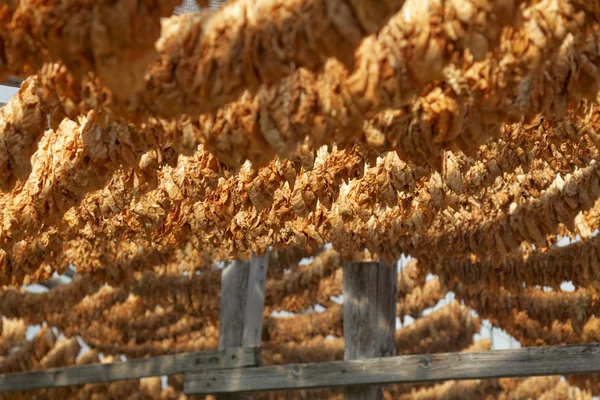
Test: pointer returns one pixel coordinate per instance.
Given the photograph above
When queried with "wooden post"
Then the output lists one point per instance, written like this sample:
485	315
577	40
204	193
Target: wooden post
242	305
370	291
215	4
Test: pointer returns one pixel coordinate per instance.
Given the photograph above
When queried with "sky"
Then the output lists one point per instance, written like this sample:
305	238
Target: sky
6	92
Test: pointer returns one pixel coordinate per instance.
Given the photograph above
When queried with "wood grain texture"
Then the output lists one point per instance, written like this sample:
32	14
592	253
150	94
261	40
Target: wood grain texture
255	301
242	305
539	361
234	281
133	369
242	302
370	291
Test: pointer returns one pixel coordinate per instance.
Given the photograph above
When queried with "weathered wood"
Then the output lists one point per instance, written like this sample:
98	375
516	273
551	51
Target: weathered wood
370	292
233	303
255	301
242	304
538	361
133	369
12	82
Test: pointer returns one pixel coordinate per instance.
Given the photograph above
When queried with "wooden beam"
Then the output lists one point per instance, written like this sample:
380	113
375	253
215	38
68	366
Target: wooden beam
12	81
132	369
370	292
537	361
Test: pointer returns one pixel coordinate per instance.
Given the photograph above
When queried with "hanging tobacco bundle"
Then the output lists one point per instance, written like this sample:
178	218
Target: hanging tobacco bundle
34	308
454	327
328	108
114	40
28	355
530	332
109	341
226	212
206	60
136	310
410	277
530	220
22	123
301	328
453	324
528	388
179	202
12	334
545	307
578	263
334	108
450	115
468	390
307	285
316	349
421	299
589	383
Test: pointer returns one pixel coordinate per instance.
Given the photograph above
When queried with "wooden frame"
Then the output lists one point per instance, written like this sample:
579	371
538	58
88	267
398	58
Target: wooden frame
370	301
156	366
537	361
234	370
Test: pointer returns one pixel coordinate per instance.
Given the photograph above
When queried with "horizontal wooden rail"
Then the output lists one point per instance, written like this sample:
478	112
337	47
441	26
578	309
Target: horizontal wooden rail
539	361
234	370
132	369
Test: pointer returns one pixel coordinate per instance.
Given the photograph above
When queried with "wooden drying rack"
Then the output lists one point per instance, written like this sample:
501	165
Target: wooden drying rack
370	291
